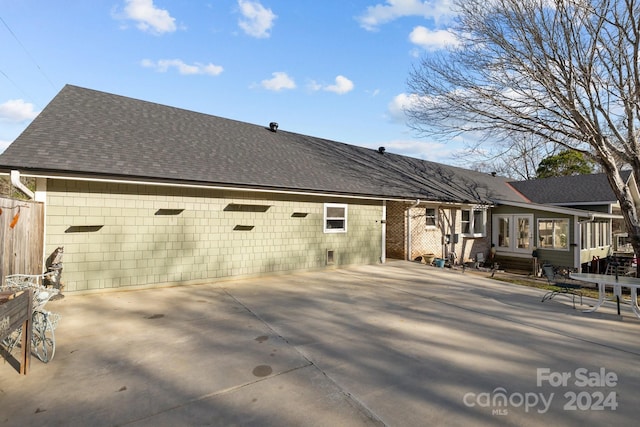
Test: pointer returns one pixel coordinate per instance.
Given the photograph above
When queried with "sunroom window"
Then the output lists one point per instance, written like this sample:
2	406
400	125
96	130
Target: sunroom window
595	234
553	233
513	233
504	232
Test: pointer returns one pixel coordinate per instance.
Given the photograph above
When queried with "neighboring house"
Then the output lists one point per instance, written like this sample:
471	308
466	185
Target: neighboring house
141	194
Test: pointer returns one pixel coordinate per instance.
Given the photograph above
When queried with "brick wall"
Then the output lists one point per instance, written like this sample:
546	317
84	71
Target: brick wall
428	240
396	230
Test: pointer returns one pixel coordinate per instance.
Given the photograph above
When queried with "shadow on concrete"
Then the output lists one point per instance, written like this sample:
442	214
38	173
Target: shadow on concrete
396	344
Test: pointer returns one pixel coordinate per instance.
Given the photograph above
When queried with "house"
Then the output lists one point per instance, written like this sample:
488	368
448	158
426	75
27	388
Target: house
601	235
551	234
142	194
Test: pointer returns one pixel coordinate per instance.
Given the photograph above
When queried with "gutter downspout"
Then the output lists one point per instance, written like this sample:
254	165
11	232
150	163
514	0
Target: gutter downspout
417	202
383	254
15	181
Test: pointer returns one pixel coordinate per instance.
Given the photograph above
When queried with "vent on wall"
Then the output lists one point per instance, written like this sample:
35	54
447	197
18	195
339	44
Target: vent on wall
169	211
330	257
299	215
83	228
239	207
243	227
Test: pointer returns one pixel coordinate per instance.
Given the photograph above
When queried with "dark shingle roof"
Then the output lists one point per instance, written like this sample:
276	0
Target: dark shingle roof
567	190
84	131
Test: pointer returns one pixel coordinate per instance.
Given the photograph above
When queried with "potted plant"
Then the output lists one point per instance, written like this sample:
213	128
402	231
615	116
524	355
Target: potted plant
428	258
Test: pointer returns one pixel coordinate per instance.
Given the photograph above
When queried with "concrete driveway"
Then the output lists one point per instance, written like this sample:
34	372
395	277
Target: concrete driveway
400	344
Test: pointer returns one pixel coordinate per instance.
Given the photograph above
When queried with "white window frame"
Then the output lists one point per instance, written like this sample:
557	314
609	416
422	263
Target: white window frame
513	233
516	237
471	222
553	234
496	233
434	216
585	236
327	218
595	235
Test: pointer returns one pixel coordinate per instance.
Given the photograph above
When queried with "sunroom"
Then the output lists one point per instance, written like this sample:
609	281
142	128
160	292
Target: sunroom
556	235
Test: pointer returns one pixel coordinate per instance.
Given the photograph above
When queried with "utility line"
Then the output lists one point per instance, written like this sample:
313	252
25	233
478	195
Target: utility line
28	54
26	95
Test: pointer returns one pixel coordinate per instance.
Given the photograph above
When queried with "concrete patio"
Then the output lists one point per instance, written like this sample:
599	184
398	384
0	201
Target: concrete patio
400	344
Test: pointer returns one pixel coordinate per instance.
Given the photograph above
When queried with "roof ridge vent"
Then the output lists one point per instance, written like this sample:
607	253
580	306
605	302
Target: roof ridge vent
273	126
381	150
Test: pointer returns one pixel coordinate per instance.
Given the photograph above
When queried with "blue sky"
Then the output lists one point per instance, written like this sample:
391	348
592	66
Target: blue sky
334	69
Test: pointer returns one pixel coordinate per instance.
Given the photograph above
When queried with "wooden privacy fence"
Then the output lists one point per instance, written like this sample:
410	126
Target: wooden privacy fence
21	237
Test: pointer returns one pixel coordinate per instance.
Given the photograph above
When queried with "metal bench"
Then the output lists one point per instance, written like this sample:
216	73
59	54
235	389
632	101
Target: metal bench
563	288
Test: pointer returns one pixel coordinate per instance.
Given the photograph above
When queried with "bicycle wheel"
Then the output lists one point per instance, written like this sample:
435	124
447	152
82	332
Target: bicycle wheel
11	342
43	341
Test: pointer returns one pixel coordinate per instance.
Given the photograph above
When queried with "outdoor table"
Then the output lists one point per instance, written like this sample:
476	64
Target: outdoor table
603	280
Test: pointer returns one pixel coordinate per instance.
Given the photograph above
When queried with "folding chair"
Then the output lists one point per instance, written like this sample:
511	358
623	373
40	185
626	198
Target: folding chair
564	288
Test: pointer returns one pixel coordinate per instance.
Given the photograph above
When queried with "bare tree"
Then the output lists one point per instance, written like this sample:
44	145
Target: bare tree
565	71
517	158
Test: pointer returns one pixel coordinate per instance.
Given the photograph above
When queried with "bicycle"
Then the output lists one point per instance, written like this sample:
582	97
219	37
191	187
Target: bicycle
44	322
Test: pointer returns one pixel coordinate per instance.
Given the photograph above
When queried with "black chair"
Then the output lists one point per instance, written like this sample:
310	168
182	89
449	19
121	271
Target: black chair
563	288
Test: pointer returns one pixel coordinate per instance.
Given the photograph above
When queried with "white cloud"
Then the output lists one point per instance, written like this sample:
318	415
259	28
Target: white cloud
399	104
149	17
16	110
279	81
380	14
314	86
257	21
163	66
420	149
432	39
342	85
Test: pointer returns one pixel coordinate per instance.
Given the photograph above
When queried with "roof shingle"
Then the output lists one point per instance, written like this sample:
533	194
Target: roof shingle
568	190
84	131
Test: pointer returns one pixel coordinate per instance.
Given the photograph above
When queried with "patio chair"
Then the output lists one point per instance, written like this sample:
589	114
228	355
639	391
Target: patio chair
620	267
563	288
